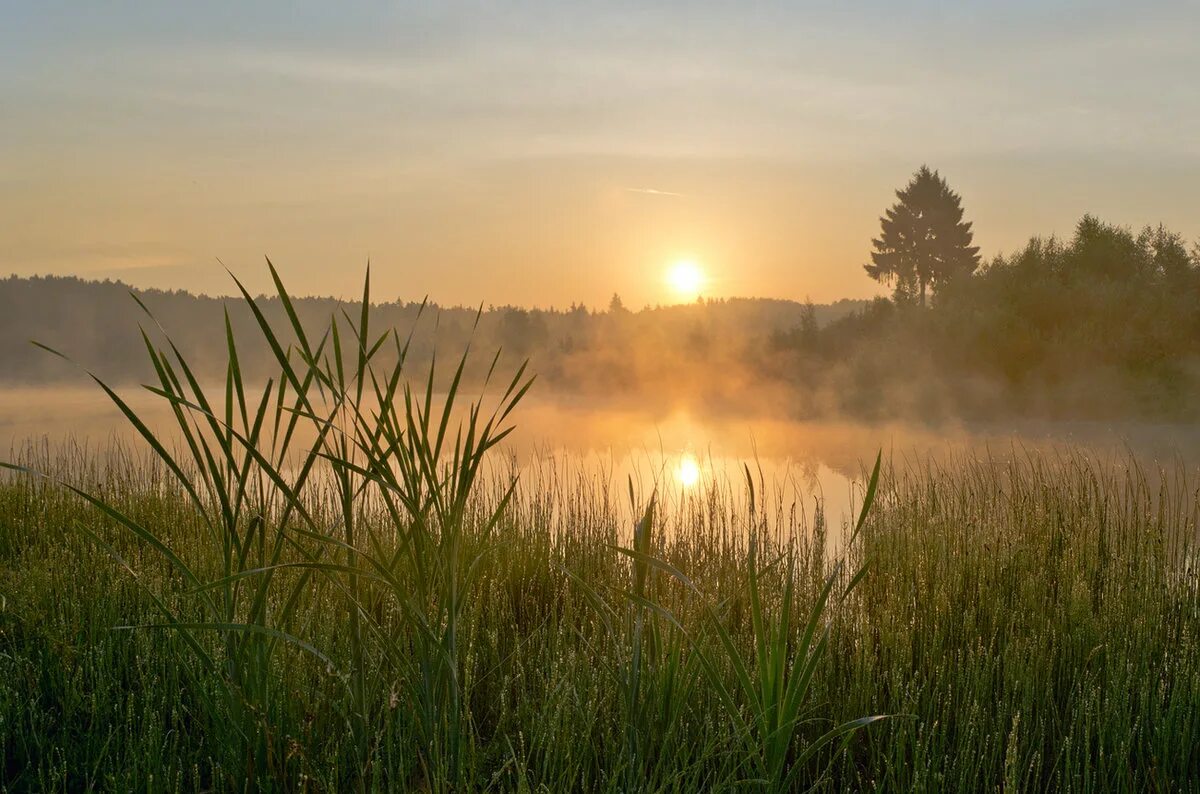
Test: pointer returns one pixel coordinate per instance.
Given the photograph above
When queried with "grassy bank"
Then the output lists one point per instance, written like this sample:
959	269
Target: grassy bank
1031	624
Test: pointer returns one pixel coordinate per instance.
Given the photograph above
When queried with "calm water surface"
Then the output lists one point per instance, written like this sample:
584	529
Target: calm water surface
678	452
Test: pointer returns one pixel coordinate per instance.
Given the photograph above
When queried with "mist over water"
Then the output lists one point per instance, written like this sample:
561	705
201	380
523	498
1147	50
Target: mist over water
676	453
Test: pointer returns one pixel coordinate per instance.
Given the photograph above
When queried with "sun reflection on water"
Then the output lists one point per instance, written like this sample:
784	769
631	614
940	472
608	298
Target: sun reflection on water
687	473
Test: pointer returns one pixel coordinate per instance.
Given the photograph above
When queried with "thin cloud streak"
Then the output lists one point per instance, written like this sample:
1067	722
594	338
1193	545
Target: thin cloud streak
649	191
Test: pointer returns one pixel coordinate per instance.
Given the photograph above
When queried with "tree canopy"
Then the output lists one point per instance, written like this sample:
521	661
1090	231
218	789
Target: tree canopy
924	242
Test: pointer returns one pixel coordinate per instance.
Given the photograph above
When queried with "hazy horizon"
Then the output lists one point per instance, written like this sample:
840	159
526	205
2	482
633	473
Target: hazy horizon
543	155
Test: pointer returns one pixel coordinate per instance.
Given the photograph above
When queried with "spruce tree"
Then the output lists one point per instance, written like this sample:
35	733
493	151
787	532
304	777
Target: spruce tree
924	241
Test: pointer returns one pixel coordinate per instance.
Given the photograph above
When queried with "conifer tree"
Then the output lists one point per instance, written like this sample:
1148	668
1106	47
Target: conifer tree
924	241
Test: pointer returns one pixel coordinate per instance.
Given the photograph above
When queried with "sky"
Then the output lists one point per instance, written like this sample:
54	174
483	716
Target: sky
548	153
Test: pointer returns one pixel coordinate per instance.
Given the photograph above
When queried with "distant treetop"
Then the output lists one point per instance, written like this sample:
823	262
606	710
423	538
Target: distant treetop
924	242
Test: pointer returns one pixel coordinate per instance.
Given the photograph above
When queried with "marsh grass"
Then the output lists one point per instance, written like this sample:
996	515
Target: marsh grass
319	584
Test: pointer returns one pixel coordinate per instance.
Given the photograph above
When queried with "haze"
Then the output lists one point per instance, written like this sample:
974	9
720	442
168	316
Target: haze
543	154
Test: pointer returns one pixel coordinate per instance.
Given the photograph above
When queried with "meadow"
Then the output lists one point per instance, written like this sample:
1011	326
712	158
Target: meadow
322	583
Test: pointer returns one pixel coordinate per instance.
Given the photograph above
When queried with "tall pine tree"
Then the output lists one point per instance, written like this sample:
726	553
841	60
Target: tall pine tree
925	242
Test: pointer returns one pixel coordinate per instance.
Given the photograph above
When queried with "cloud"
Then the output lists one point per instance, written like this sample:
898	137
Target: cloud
649	191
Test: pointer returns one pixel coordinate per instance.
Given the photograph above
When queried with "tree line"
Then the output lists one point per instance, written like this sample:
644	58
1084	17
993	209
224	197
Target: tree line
701	353
1103	324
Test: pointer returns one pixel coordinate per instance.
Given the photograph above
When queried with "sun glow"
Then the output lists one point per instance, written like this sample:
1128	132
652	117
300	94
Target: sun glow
688	471
686	279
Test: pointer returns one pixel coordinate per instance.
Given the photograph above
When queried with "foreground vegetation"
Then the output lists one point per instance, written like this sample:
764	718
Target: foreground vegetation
1034	622
322	584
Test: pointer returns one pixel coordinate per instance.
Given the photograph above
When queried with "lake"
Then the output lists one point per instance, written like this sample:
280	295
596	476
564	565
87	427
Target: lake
679	453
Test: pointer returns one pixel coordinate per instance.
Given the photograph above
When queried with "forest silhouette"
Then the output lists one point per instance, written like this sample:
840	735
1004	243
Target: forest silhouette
1105	324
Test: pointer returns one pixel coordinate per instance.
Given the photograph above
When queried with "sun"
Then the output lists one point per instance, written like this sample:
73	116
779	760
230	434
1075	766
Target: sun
688	471
686	279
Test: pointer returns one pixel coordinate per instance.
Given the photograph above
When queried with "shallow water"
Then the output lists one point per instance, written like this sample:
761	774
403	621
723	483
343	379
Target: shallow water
679	452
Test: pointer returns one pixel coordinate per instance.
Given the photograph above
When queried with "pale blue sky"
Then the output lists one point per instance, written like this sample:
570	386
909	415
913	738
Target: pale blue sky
505	152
